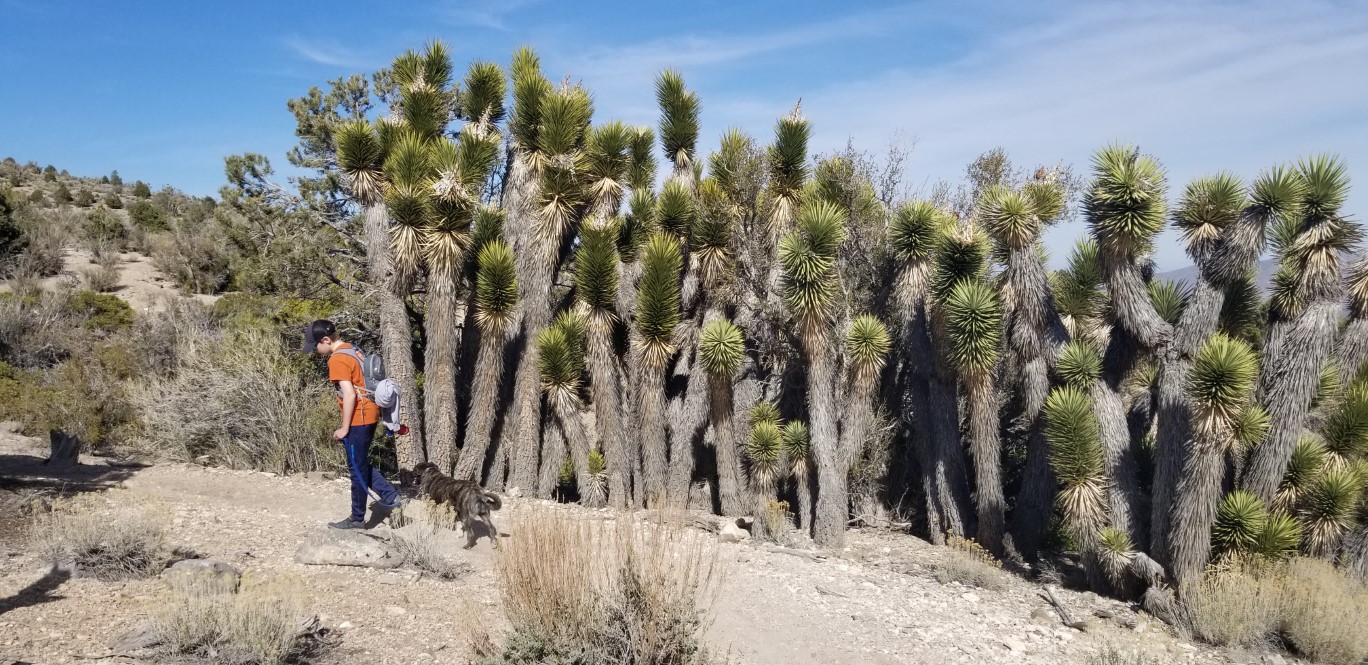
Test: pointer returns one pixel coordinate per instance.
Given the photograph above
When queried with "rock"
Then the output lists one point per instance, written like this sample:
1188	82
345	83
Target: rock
395	610
345	625
1014	645
1041	616
202	576
731	533
142	637
405	577
320	475
513	492
11	426
336	547
973	598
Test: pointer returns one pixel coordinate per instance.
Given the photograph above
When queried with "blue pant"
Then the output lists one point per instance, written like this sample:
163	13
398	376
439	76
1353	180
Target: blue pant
364	477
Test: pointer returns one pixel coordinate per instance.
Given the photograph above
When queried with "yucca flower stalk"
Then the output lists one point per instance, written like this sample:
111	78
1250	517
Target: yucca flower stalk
721	349
1225	234
1220	387
798	454
561	361
361	157
496	301
653	345
1298	343
764	454
1076	456
1034	334
974	329
915	233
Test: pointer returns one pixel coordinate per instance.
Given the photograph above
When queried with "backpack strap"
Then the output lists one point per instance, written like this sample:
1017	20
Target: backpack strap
354	354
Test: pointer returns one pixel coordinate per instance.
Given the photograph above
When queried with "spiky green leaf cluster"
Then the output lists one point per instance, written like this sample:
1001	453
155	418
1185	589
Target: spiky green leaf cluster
1222	378
1241	519
488	227
1280	537
765	412
797	447
962	256
867	343
764	451
1356	287
482	96
1328	386
1072	433
1079	364
1322	232
1078	289
808	258
721	348
425	98
596	272
973	319
1251	426
607	162
710	236
1242	311
657	311
1046	199
637	225
1346	431
529	88
675	209
1115	551
1277	194
565	114
916	231
1009	217
788	168
1305	464
1125	202
679	111
1329	509
496	288
735	165
361	157
561	358
1208	206
641	172
1169	298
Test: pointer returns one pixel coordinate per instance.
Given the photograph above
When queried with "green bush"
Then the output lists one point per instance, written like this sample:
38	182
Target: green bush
195	261
101	311
84	198
15	180
36	197
104	229
112	200
62	194
50	174
104	180
115	180
148	217
141	190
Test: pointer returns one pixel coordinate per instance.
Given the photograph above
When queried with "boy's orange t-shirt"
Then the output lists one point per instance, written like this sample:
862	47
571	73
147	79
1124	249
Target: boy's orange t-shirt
342	367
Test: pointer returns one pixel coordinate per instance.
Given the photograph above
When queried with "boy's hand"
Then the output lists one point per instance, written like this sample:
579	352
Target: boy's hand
341	433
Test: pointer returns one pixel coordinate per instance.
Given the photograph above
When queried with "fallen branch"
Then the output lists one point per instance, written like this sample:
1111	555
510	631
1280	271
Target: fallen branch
823	590
798	553
1063	613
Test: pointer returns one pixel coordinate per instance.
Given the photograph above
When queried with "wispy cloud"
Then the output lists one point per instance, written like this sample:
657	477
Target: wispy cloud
492	14
326	53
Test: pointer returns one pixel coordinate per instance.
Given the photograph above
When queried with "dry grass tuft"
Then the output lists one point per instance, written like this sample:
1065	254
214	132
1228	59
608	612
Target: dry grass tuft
1236	604
776	517
260	624
420	541
966	562
1325	612
103	539
577	590
1110	655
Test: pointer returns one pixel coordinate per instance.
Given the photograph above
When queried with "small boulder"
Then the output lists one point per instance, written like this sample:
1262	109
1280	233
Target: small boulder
202	576
336	547
731	533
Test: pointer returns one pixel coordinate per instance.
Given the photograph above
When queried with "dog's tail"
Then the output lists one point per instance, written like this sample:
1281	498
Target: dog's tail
492	500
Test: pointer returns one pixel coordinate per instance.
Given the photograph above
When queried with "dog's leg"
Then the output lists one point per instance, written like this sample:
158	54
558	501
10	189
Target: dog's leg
469	524
493	533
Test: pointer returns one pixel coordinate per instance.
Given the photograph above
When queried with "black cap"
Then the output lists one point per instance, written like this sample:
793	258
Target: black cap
315	332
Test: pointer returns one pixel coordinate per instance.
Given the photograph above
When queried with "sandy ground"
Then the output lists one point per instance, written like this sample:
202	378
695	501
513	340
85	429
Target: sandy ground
875	602
140	283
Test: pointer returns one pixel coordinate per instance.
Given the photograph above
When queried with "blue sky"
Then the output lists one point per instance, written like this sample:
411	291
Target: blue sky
163	91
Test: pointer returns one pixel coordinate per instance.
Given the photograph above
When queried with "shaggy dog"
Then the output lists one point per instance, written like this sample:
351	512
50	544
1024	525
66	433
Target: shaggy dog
467	498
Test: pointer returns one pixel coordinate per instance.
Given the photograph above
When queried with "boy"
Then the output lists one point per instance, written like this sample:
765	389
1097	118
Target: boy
359	415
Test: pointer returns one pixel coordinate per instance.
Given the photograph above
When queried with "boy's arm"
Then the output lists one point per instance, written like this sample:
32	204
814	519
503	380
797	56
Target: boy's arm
348	407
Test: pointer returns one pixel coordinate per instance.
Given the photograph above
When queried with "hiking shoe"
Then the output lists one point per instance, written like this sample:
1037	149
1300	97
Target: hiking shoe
348	523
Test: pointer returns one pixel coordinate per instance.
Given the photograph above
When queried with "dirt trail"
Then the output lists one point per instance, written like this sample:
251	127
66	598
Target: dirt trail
876	602
141	284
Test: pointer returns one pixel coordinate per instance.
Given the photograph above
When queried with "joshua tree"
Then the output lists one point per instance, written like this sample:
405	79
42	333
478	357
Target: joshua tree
561	360
1076	455
1299	338
764	450
1329	508
974	330
657	316
1353	344
1219	386
1034	333
679	110
798	453
721	348
496	300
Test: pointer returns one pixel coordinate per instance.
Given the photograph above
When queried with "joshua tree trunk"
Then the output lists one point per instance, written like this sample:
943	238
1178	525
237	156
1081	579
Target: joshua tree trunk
833	510
651	415
986	448
1194	511
952	484
1287	388
604	384
686	426
729	482
553	457
439	390
1131	303
1353	348
396	340
484	403
1123	496
577	440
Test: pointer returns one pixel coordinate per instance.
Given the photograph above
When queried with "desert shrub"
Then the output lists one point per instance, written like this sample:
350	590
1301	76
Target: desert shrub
1235	604
104	229
104	180
15	180
195	261
422	543
102	537
61	194
148	217
84	198
967	562
259	624
101	311
44	244
115	180
103	277
37	198
158	343
1324	612
241	402
582	592
35	329
141	190
50	173
112	201
1110	655
776	517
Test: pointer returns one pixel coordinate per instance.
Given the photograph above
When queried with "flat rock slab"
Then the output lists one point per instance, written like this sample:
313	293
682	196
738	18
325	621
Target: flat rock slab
203	575
337	547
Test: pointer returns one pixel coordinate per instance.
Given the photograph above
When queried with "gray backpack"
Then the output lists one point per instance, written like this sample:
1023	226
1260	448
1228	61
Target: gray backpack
372	370
379	389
